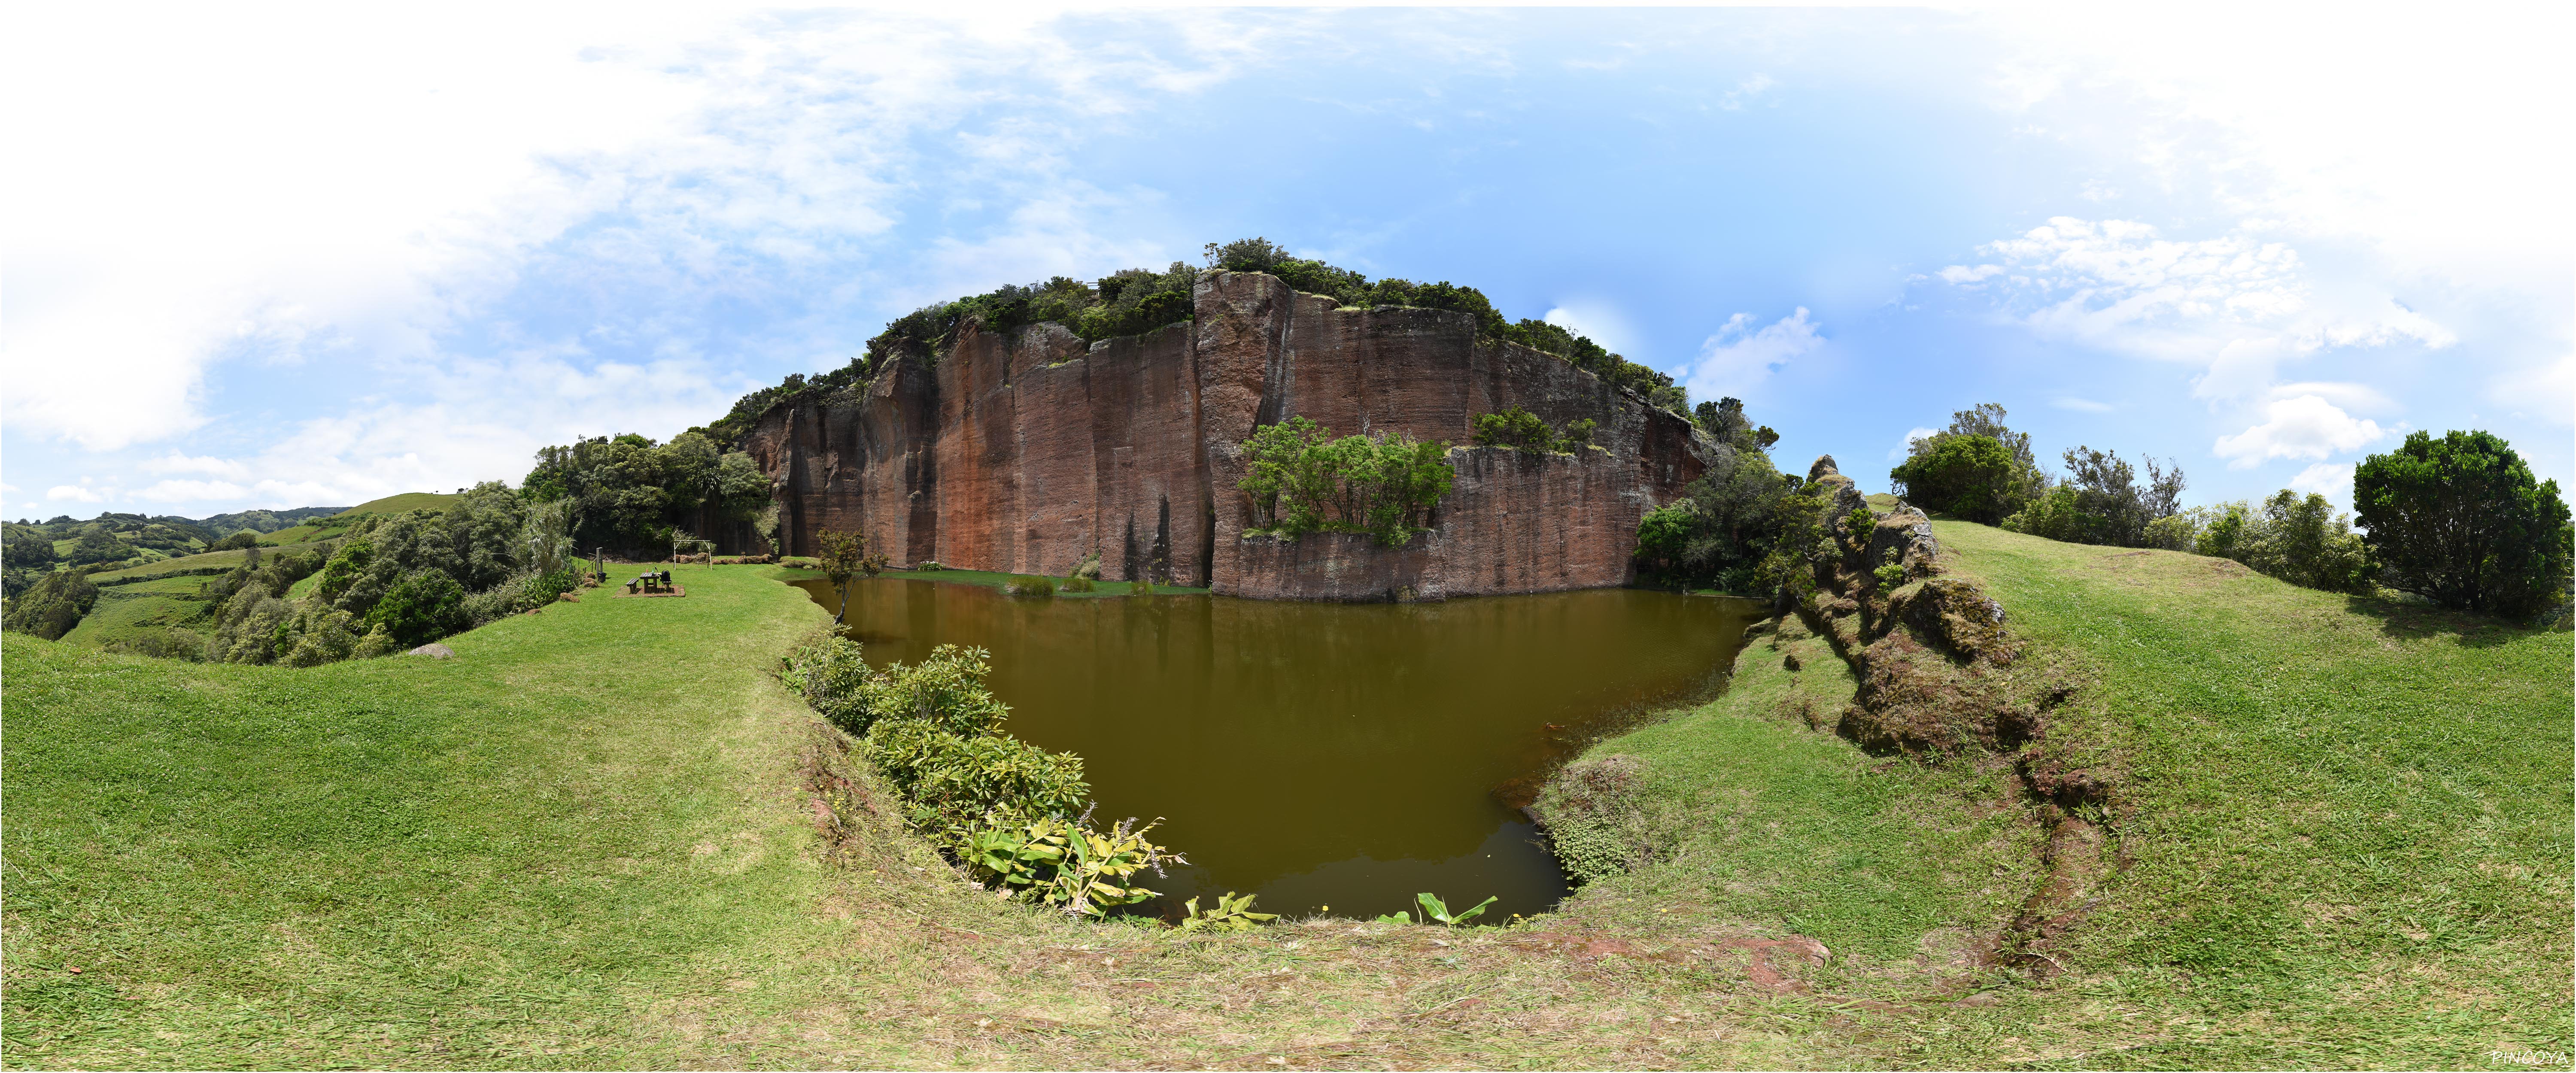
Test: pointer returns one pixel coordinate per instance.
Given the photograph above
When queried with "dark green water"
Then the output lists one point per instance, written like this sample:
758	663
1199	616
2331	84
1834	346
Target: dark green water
1347	755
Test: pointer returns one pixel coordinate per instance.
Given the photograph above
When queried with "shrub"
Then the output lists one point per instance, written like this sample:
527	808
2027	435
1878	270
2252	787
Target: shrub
243	539
1028	585
1968	477
1727	523
1076	583
53	607
1596	818
25	547
377	643
422	607
2460	521
1519	430
2101	502
955	783
1300	480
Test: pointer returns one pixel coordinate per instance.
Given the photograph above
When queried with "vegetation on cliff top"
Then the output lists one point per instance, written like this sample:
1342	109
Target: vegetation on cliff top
1139	300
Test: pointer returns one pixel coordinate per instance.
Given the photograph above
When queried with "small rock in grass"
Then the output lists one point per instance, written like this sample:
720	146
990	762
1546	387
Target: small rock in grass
434	650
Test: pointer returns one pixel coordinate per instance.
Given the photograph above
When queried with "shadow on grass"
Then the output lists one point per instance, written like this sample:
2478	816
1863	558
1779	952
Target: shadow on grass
2410	619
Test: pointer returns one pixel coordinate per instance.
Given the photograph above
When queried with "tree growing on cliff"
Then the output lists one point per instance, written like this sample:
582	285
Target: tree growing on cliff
1298	479
2460	521
844	556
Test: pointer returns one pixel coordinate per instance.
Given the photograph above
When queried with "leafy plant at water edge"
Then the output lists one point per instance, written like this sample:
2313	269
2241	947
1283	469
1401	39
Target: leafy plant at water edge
1028	585
1064	863
1076	583
1435	911
1230	913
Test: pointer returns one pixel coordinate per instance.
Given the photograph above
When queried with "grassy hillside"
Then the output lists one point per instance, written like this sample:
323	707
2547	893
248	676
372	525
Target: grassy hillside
125	612
2349	830
207	560
335	525
585	842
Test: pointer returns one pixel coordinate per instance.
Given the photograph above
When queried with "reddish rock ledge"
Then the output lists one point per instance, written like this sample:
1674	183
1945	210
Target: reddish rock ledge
1029	452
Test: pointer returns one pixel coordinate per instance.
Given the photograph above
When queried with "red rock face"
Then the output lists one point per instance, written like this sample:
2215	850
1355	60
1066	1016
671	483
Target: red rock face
1031	452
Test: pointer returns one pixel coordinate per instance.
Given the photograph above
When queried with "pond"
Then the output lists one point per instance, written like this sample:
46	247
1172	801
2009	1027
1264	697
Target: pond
1319	754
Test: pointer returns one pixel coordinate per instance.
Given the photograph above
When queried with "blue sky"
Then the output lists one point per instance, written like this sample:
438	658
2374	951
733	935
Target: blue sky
319	255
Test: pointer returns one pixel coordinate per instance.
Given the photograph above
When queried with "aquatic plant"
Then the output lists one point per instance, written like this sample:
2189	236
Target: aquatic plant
1230	913
1028	585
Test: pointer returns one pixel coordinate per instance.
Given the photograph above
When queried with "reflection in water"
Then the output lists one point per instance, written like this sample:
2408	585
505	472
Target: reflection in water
1322	754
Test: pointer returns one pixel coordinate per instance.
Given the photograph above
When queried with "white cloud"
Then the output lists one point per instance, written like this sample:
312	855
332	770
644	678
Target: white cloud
1598	320
1739	356
2350	396
1906	446
191	492
2069	402
1963	274
7	487
712	152
176	462
1746	90
2332	480
73	493
2549	389
2304	427
2236	305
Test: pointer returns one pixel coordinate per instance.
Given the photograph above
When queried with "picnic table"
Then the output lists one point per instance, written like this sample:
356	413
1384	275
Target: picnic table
650	581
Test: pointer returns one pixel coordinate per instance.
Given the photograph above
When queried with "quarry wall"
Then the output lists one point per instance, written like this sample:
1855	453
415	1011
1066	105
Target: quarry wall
1029	451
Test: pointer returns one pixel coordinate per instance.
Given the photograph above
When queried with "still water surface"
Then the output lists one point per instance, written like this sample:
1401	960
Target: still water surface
1323	754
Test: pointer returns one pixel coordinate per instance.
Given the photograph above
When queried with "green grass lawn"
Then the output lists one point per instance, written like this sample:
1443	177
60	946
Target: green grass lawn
585	842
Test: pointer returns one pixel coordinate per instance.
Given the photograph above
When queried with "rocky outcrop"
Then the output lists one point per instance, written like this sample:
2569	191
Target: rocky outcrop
1940	678
1029	451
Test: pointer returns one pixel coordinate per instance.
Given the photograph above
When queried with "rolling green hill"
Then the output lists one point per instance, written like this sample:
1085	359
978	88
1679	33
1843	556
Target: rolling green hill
335	525
595	839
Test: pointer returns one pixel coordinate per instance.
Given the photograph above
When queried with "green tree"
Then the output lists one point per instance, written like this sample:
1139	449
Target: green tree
423	606
1970	477
844	556
53	606
1298	479
1517	429
2460	521
25	547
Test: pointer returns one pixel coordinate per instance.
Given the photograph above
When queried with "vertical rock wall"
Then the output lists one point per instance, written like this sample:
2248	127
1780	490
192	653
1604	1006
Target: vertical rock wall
1029	452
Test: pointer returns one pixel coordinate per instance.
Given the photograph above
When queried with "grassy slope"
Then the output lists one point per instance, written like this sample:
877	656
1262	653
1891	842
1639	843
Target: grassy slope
403	861
579	844
2350	834
191	562
326	528
124	611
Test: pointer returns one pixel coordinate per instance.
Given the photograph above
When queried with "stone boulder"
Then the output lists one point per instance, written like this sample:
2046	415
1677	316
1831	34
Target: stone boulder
434	650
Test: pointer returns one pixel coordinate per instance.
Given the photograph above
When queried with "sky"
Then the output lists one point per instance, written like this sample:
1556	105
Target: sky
310	256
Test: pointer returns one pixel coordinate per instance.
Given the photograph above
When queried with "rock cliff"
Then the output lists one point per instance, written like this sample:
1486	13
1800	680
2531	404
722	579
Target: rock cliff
1026	452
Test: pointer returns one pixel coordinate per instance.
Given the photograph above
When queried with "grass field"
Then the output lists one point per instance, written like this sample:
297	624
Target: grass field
334	525
584	842
124	612
204	560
